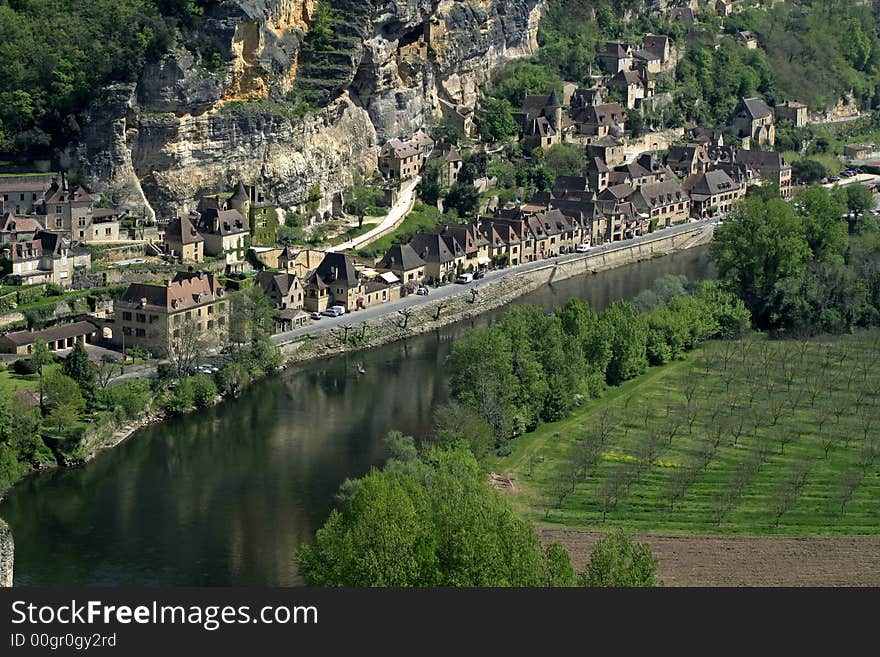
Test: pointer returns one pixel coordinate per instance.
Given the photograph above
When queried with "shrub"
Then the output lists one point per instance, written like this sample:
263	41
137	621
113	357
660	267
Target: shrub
204	391
24	366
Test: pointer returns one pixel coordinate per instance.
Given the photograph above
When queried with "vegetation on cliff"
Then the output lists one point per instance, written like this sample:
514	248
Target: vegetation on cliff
57	54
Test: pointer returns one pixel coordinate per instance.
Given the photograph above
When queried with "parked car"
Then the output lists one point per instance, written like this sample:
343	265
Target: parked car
315	315
479	275
582	248
335	311
422	291
464	279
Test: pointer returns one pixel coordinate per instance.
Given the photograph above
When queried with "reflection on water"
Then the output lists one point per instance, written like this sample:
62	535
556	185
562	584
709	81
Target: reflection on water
224	496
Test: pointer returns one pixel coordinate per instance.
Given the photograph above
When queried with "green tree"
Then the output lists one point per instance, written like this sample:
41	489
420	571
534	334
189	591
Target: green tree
463	198
808	171
454	422
82	370
626	331
859	201
65	401
41	357
823	228
432	521
618	561
565	160
496	119
759	249
559	569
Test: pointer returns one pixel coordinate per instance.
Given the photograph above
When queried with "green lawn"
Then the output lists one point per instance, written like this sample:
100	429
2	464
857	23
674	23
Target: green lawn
422	217
11	382
832	163
763	414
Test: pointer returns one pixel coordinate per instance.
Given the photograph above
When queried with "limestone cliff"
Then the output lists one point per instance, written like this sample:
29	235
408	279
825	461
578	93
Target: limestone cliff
199	120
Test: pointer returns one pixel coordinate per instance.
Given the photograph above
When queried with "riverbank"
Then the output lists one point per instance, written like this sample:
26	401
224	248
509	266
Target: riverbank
417	315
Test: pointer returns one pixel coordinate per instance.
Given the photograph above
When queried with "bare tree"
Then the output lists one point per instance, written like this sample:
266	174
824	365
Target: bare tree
787	436
406	313
439	309
610	492
847	486
605	424
186	346
474	294
109	368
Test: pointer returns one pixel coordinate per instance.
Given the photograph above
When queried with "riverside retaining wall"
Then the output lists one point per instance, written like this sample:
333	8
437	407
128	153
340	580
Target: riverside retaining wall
432	315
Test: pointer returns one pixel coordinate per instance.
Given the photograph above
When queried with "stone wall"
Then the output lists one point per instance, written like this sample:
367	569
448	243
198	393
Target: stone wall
435	314
7	555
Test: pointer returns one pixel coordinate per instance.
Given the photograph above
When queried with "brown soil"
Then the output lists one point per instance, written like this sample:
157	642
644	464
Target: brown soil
747	560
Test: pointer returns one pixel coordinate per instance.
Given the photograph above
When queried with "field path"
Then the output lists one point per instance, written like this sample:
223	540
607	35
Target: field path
747	560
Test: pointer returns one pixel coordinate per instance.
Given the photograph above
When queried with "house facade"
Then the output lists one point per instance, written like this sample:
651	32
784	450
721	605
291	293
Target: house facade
153	316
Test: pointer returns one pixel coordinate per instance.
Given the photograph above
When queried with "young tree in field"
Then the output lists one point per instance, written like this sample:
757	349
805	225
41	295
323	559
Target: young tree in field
65	401
611	490
41	357
186	347
847	485
618	561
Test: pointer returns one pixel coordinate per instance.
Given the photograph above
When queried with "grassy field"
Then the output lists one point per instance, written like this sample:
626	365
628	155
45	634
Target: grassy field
755	436
11	382
422	217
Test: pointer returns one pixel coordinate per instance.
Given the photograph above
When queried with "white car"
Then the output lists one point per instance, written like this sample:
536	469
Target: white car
582	248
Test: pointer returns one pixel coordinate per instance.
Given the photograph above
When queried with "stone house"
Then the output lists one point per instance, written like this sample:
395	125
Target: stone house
442	257
747	39
688	159
767	165
450	165
666	203
508	236
616	57
225	233
541	119
608	149
152	316
400	160
635	85
403	262
858	151
470	241
660	45
184	241
713	193
287	297
461	116
796	113
57	338
18	229
47	258
597	172
600	121
22	194
648	61
336	280
753	122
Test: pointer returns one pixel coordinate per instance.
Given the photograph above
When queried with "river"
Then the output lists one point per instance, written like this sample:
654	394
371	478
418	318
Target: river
223	497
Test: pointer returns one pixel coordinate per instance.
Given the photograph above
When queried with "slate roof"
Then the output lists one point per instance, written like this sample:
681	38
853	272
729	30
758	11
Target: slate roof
187	290
180	229
401	257
51	334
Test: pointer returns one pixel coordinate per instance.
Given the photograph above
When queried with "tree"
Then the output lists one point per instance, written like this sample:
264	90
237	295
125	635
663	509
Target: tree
428	521
761	248
626	333
187	345
808	171
496	119
65	401
463	198
565	160
859	201
41	357
824	230
82	370
618	561
106	370
454	422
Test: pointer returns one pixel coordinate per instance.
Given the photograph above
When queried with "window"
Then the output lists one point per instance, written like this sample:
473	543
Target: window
141	318
210	324
22	198
221	321
126	330
188	315
58	222
107	231
210	310
57	209
141	333
126	317
176	334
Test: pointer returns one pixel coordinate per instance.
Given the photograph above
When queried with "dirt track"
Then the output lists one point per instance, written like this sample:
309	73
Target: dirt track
747	560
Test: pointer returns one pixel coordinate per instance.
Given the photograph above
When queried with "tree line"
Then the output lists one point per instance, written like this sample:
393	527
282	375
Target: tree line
532	367
432	519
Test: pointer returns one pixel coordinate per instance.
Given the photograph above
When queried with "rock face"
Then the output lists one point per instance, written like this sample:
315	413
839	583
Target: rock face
7	555
199	120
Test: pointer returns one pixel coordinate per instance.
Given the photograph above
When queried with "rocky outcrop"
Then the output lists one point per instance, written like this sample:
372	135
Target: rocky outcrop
7	555
223	110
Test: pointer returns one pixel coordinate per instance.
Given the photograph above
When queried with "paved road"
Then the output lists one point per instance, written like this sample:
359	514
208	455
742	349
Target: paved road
392	307
397	212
